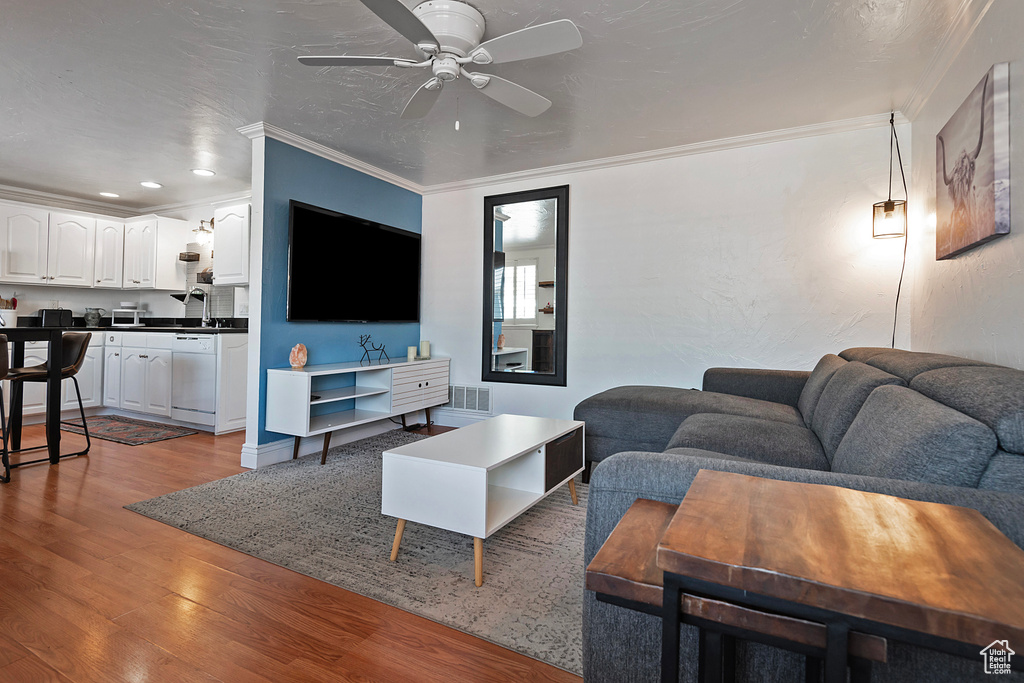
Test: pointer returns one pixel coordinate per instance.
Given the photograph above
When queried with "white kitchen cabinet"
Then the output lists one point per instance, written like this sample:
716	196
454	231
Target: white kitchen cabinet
231	245
151	248
158	383
90	379
109	254
70	253
112	376
133	377
232	361
33	400
24	234
145	373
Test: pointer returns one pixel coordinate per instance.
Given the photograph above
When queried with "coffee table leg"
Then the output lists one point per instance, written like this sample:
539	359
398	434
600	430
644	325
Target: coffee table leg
572	492
398	539
478	561
327	444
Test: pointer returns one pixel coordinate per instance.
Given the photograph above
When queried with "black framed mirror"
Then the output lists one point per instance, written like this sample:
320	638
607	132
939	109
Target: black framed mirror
526	254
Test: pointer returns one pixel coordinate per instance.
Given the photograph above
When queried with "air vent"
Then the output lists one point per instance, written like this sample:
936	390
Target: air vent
469	399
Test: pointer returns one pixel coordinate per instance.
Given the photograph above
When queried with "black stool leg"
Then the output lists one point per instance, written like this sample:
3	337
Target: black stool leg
81	411
6	478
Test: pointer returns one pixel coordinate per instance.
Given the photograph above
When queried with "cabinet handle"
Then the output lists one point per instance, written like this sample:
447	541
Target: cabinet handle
116	355
142	355
51	277
43	277
426	384
420	385
99	281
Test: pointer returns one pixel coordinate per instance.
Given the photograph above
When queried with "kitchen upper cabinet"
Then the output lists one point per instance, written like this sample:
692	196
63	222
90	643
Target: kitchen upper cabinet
72	243
231	245
109	254
24	234
151	248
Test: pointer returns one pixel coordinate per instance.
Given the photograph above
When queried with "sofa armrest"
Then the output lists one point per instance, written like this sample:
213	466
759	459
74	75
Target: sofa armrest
778	386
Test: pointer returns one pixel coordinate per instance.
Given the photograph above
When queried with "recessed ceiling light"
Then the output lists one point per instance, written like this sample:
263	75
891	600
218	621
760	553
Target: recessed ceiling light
150	184
109	194
205	172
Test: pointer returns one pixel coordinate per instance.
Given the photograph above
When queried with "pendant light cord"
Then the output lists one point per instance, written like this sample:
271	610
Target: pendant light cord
906	228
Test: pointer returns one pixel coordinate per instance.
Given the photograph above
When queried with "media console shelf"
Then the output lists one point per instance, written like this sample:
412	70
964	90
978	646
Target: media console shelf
319	399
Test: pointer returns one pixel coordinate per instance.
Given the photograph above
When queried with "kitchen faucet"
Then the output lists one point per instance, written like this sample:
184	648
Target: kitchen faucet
199	293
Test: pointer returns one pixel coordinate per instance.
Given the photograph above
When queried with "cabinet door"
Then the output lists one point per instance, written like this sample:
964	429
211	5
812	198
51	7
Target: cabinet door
139	253
112	377
24	233
232	361
34	398
158	382
109	254
231	245
90	382
147	255
133	378
71	247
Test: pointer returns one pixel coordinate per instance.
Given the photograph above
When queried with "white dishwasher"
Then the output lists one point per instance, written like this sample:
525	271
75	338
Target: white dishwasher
194	386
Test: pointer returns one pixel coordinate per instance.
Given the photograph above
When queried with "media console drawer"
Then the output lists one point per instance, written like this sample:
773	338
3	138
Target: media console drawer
562	458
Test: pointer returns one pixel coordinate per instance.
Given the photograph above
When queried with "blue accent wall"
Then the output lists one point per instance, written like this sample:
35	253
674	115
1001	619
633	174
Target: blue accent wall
292	173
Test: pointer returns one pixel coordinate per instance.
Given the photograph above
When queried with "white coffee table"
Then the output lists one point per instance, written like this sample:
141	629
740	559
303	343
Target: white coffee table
477	479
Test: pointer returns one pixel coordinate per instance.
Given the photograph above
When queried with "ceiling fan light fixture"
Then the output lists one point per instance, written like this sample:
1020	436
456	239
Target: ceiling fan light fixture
151	184
204	172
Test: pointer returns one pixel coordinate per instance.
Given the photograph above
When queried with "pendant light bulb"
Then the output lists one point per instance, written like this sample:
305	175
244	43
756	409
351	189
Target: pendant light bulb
456	124
456	114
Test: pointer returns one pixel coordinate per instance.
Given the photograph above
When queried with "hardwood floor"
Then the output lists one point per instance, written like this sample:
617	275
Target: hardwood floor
92	592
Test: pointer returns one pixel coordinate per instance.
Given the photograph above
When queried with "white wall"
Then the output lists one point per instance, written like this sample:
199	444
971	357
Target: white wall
759	256
971	305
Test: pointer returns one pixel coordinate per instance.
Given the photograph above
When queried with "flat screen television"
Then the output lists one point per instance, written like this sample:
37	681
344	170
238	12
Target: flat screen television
347	269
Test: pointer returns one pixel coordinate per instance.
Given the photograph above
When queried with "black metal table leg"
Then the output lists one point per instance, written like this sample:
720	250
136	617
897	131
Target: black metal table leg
54	365
836	643
670	620
14	426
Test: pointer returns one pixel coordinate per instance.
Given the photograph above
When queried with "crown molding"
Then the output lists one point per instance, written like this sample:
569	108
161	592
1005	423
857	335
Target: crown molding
206	201
60	201
843	126
965	21
263	129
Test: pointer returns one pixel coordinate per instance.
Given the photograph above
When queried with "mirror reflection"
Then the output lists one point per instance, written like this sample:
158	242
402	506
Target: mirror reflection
524	261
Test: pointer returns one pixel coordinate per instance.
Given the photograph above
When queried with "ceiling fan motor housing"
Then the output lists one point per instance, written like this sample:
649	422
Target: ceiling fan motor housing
457	26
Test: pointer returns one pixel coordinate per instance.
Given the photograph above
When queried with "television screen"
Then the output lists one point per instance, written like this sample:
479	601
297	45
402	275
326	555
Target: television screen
347	269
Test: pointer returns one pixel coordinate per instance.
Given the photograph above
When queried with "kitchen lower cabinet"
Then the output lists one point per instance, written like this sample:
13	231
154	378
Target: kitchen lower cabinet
112	376
90	380
146	380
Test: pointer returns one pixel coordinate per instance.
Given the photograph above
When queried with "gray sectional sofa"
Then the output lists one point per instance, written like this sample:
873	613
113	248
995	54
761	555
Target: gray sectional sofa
916	425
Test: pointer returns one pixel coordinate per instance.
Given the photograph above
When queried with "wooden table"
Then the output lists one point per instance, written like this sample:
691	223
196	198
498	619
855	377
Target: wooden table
54	335
935	576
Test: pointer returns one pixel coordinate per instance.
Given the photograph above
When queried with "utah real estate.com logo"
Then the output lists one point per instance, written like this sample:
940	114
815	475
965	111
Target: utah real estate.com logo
997	657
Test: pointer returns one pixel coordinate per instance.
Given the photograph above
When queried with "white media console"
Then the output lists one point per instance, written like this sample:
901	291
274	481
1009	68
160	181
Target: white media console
319	399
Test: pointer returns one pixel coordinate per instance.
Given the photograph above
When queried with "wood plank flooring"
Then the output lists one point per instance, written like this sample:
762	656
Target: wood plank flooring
92	592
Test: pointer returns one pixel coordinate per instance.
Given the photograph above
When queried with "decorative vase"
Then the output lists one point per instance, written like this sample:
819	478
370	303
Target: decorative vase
92	316
297	357
501	341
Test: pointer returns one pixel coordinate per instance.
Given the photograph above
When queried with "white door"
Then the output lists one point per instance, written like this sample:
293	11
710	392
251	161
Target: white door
158	382
133	378
109	254
71	248
112	377
90	382
231	245
24	233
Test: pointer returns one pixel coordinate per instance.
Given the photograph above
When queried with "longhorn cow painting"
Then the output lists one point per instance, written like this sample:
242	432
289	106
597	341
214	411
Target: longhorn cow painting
972	168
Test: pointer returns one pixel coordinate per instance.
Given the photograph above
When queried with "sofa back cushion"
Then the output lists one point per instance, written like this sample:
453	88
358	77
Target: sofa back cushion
993	395
842	399
900	434
816	383
909	364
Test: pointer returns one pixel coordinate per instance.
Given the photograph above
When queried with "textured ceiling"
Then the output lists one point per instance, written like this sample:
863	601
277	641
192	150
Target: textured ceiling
100	94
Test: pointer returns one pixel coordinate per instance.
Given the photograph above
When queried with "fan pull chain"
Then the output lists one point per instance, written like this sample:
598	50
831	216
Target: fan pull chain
456	113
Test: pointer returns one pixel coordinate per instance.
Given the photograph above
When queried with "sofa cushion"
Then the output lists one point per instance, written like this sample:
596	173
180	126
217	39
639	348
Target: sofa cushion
776	443
700	453
842	398
992	394
645	417
862	353
900	434
816	383
909	364
1005	472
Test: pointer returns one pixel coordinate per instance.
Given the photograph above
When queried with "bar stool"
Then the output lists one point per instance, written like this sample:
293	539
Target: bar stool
74	347
4	367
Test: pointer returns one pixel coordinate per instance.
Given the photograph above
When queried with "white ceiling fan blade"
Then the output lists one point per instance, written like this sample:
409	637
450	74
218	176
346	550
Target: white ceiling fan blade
532	41
353	60
401	18
423	99
511	95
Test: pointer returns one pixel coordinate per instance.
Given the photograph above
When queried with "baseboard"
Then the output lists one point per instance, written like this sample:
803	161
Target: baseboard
264	454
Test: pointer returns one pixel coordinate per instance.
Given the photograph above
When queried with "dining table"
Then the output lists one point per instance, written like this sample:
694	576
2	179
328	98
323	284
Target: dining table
54	337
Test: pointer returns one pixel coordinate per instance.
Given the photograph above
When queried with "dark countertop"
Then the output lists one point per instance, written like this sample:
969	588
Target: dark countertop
178	325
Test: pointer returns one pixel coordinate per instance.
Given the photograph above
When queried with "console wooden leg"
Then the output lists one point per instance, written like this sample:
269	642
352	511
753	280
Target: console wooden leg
478	561
427	411
399	530
572	492
327	444
404	426
295	453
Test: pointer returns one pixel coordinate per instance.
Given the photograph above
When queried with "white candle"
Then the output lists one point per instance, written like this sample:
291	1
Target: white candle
425	349
412	353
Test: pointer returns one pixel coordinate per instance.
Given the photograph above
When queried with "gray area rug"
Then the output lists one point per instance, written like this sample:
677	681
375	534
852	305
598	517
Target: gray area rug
325	522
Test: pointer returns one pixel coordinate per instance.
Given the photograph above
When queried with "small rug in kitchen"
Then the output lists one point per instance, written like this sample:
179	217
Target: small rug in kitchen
127	430
325	522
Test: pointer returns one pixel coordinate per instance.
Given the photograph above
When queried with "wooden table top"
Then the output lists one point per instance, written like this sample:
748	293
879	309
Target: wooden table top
937	569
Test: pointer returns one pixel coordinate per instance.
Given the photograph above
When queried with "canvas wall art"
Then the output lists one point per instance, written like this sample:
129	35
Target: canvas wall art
972	168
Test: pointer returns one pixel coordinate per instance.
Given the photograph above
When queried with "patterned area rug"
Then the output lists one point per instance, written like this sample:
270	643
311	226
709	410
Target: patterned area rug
325	522
127	430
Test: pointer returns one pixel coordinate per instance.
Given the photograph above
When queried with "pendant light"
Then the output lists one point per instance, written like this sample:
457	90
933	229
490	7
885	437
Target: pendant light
890	216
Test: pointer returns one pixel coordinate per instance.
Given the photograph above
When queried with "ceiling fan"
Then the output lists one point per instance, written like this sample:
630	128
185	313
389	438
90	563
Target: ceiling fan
447	35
